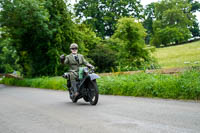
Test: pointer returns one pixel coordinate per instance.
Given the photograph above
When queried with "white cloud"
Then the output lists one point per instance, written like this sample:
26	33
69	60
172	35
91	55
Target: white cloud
146	2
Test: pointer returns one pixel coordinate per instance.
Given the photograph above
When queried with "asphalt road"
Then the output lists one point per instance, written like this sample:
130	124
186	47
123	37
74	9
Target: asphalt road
32	110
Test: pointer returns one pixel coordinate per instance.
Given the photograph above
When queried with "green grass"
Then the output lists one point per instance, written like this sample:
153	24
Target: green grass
56	83
183	86
177	56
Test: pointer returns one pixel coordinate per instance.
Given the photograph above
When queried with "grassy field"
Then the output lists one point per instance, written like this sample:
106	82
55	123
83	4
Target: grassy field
179	56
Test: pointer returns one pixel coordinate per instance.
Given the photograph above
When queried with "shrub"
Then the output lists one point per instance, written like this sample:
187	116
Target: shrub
104	58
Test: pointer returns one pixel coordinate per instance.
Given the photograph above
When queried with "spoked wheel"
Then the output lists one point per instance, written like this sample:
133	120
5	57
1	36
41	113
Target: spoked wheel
93	94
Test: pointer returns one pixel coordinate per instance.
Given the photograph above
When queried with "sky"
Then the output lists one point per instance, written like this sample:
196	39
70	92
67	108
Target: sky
144	3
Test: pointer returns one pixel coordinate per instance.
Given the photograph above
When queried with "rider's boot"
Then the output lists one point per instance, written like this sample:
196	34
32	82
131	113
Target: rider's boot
74	83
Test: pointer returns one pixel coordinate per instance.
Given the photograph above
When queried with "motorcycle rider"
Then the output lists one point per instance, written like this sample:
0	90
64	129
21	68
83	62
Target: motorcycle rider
74	60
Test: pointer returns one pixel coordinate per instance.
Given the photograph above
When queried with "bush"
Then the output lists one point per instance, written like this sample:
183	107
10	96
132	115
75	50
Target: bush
183	86
104	58
129	38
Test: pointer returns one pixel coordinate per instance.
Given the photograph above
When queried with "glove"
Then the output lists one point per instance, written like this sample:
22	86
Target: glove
90	66
62	58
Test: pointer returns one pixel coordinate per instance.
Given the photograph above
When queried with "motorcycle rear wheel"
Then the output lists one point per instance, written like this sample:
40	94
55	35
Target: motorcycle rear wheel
86	99
74	100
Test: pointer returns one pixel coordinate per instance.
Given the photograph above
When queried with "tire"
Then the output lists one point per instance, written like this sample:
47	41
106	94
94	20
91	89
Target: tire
94	93
70	94
74	100
86	99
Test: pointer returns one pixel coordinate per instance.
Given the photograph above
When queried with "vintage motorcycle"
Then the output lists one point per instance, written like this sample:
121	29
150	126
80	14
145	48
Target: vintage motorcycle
86	85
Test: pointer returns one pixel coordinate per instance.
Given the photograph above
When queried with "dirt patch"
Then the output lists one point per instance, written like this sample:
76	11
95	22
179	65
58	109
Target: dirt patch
10	76
162	71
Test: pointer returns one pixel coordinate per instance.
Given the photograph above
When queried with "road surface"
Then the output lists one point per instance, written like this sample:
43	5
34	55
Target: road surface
32	110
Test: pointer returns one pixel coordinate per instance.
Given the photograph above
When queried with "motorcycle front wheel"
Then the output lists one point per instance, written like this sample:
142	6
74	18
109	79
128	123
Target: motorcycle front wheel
93	93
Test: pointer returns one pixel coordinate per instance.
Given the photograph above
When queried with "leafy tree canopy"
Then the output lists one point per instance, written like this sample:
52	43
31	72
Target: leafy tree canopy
195	5
8	56
173	18
149	13
130	35
104	58
102	15
195	27
27	23
40	30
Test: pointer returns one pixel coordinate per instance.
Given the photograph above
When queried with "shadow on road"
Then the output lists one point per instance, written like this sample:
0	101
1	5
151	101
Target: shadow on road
79	103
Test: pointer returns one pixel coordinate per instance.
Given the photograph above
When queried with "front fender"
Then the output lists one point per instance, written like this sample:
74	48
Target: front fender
94	76
89	78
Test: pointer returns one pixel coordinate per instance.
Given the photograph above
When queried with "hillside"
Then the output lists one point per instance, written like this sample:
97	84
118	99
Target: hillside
179	56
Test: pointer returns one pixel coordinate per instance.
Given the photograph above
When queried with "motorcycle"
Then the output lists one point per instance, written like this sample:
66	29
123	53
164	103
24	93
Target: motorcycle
86	85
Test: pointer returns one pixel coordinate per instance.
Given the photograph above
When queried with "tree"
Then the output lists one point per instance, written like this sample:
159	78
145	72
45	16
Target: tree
131	34
88	37
41	30
104	58
26	22
8	57
173	18
195	5
149	13
63	32
194	29
102	15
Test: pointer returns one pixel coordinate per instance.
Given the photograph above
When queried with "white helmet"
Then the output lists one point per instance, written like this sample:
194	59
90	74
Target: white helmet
74	45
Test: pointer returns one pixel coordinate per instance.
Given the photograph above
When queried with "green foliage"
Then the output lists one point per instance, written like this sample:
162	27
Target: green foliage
102	15
104	58
27	25
153	85
130	35
149	13
182	86
8	57
172	20
195	30
195	5
171	11
170	35
55	83
87	37
41	31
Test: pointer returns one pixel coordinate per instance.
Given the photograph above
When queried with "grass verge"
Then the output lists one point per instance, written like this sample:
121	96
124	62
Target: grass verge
56	83
185	85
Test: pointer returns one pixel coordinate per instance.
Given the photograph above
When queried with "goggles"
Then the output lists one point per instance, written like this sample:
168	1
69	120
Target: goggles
73	48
